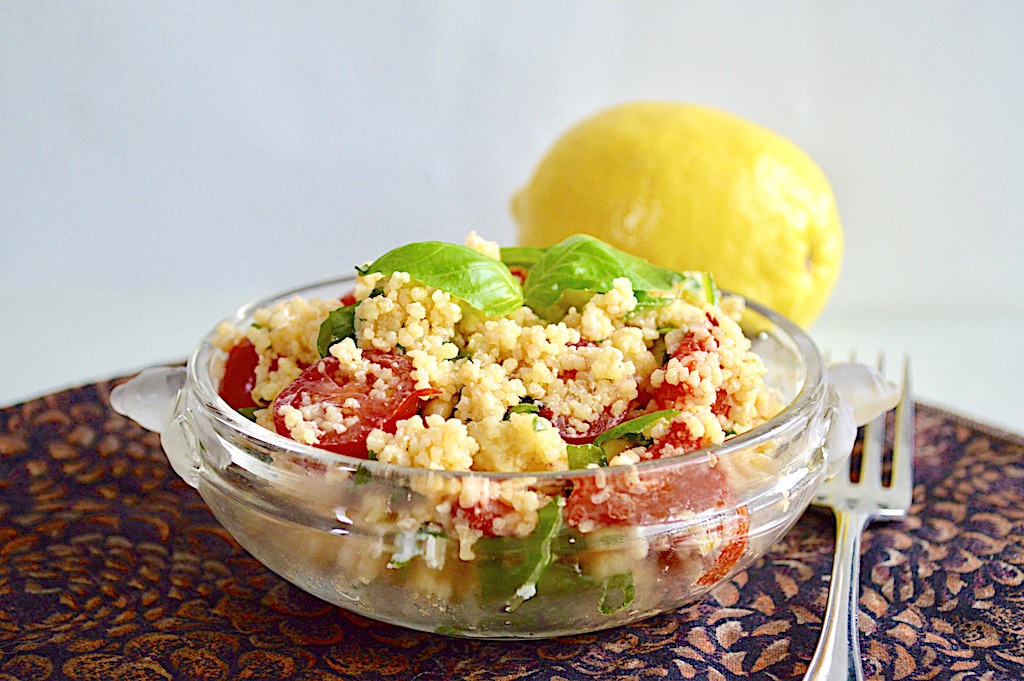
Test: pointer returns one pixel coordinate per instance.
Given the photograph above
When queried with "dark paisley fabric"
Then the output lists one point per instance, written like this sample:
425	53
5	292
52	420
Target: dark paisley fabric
112	568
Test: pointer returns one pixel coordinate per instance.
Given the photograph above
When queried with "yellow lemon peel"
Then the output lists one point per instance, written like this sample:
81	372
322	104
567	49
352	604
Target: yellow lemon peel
691	187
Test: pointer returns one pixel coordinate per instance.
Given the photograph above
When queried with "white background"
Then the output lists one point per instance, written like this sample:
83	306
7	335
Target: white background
161	163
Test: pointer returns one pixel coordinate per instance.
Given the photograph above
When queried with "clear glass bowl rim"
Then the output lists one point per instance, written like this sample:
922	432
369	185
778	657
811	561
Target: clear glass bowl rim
199	380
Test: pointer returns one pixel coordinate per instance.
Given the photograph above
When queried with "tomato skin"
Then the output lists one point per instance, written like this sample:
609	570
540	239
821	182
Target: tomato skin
519	272
678	440
656	497
647	498
481	516
349	299
732	551
327	383
690	351
240	376
605	420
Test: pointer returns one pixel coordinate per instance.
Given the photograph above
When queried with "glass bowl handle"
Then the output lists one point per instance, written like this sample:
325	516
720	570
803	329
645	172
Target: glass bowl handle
155	400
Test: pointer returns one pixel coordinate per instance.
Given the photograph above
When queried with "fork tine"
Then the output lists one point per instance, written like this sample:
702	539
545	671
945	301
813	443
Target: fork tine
903	440
873	447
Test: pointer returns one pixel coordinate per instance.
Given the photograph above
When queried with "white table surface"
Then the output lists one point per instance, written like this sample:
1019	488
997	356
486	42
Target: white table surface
969	363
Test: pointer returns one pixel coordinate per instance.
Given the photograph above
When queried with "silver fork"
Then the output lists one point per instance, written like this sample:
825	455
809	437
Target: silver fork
855	505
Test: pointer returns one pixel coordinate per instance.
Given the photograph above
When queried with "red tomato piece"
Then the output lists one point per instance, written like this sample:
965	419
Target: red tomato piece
327	384
689	352
349	299
520	273
481	516
732	551
678	440
605	420
240	376
649	498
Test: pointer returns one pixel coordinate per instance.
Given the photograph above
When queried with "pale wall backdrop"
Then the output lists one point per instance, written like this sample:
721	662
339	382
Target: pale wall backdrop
161	163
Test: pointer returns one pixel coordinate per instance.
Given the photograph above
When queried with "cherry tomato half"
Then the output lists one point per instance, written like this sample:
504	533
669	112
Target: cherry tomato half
240	376
482	515
647	498
689	353
605	420
326	383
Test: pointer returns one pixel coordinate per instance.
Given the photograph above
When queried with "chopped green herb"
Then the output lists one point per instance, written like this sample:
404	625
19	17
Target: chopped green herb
581	456
635	427
510	568
339	325
362	476
710	291
645	302
249	412
522	408
618	593
539	424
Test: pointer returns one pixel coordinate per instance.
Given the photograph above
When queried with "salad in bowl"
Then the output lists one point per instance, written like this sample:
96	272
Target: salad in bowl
503	442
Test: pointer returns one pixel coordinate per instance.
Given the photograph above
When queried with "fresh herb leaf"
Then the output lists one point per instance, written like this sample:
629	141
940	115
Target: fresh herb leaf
522	256
484	283
710	290
510	568
339	325
522	408
581	456
585	264
249	412
645	302
635	426
362	476
618	593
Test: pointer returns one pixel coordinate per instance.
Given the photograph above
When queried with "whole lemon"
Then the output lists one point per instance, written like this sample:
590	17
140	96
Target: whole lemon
691	187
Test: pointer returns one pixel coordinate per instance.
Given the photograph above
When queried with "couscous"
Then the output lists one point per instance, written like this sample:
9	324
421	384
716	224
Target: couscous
482	359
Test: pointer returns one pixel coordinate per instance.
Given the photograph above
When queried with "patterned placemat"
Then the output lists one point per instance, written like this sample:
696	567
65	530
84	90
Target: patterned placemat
112	568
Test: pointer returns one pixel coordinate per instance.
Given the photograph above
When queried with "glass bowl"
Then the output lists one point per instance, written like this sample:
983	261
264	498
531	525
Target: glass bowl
370	537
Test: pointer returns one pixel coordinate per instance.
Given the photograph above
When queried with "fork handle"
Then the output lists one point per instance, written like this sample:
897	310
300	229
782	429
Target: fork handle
837	657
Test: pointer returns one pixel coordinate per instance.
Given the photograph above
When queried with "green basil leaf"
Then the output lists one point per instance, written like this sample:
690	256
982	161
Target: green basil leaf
645	302
581	456
583	263
510	568
635	426
339	325
522	408
484	283
522	256
362	476
618	593
708	288
249	412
